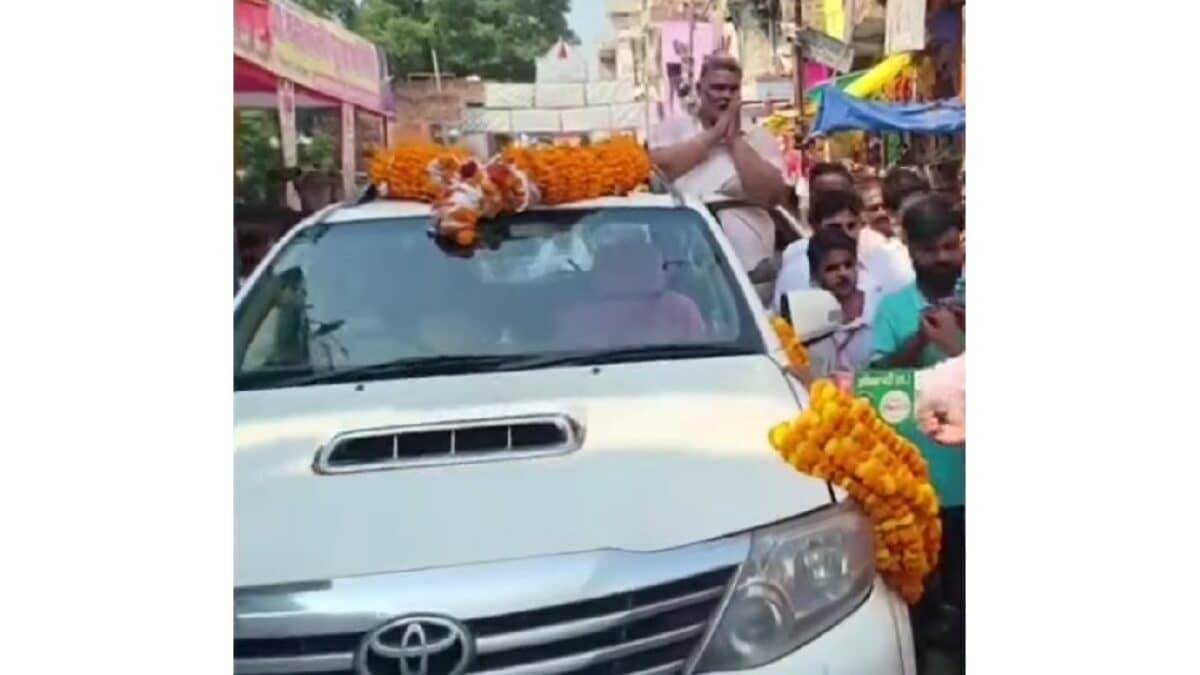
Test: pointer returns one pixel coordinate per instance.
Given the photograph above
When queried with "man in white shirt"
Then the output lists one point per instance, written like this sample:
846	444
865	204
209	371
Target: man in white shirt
880	244
709	155
841	210
880	230
833	263
822	177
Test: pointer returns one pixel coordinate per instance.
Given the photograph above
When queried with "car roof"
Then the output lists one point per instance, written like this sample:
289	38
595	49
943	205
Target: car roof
394	208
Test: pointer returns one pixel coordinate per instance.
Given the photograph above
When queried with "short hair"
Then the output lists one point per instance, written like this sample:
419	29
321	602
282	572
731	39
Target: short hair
901	183
869	183
825	242
720	62
930	217
828	168
831	203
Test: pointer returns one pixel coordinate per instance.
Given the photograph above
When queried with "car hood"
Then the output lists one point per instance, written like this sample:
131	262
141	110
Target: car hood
674	452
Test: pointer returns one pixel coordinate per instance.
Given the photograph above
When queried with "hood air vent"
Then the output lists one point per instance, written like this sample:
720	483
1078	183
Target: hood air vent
449	443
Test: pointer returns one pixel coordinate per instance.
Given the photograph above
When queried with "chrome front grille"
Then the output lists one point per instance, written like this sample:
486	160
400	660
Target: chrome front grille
651	630
449	443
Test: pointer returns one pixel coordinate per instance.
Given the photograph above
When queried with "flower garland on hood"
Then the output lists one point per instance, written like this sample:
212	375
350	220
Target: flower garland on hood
464	189
843	440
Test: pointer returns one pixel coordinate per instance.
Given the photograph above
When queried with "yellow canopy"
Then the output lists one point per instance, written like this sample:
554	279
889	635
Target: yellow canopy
873	80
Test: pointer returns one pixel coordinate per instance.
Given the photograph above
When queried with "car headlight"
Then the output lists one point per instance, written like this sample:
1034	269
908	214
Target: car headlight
800	578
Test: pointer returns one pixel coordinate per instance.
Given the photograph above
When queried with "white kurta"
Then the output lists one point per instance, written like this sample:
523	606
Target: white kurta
750	230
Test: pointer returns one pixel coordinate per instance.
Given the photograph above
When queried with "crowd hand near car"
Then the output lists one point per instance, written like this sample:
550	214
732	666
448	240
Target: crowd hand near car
941	326
944	326
942	403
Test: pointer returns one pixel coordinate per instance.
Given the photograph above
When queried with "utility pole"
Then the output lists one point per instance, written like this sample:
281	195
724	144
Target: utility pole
437	72
799	58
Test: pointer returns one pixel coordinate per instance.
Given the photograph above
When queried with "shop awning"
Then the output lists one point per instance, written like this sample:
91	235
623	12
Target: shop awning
257	87
326	61
842	112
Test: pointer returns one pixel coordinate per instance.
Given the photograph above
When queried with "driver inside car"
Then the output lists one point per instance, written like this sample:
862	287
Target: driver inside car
630	304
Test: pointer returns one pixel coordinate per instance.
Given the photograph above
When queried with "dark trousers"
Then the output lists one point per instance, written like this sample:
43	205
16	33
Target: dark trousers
939	619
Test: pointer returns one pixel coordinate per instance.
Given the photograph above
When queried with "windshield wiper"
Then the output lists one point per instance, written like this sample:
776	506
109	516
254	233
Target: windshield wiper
588	357
485	363
406	367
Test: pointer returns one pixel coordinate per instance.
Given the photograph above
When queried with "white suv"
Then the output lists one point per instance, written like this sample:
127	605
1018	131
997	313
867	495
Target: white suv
549	456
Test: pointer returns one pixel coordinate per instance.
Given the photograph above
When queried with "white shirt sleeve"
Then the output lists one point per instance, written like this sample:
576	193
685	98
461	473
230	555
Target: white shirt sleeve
890	267
670	131
793	275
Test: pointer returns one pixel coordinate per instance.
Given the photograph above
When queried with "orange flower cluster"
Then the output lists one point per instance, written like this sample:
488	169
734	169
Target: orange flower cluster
463	190
568	174
404	169
474	191
624	164
796	353
512	188
843	440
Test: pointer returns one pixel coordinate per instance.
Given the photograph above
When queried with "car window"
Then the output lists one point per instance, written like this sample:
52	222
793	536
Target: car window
348	295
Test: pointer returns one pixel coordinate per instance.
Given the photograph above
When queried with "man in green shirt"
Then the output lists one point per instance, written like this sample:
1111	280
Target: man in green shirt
924	323
918	326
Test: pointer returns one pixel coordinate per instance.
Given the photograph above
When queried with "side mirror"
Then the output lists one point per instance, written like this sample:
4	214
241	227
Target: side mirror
814	313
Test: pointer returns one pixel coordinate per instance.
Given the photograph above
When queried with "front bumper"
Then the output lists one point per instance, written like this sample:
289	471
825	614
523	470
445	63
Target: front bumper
874	640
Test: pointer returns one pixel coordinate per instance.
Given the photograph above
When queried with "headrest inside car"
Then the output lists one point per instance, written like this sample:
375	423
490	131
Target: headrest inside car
628	268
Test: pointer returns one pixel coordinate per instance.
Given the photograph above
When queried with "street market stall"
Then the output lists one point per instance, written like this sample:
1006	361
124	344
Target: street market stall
940	126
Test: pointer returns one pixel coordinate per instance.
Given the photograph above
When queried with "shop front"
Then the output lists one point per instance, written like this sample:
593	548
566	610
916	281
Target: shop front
285	60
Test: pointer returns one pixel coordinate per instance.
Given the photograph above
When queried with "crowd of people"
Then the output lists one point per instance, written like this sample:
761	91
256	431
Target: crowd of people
890	250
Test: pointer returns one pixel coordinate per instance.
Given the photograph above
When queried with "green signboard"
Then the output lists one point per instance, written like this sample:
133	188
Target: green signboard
893	393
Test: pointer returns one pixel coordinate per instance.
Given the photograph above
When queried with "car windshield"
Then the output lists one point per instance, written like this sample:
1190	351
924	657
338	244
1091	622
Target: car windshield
380	299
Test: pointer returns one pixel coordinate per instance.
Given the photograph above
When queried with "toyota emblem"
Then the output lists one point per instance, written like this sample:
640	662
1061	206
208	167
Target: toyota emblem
417	644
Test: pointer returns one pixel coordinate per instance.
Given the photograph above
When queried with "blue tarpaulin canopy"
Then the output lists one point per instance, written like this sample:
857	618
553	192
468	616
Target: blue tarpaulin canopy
841	112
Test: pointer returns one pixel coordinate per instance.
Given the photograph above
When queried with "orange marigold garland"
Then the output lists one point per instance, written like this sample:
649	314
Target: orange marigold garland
404	169
463	190
796	353
843	440
565	174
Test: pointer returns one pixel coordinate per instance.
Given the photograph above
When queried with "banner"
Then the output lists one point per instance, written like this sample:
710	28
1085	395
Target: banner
535	120
507	95
586	118
558	96
314	53
905	28
251	30
681	44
